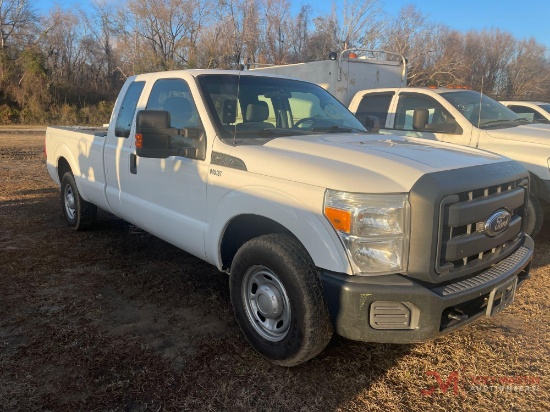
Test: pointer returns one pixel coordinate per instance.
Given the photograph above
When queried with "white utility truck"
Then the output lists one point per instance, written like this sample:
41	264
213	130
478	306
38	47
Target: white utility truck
321	225
374	90
349	72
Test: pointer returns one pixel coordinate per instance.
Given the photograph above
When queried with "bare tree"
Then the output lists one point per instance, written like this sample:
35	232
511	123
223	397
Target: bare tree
412	35
361	25
324	39
486	56
102	32
276	31
17	18
165	32
528	74
17	24
299	35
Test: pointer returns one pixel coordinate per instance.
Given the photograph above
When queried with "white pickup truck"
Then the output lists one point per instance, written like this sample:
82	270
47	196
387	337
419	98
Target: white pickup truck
467	118
535	112
321	226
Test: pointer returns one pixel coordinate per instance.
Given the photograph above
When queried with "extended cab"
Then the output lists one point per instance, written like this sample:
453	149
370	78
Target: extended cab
321	226
467	118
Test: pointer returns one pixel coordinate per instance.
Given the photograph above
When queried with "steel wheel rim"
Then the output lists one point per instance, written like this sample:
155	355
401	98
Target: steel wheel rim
70	202
266	303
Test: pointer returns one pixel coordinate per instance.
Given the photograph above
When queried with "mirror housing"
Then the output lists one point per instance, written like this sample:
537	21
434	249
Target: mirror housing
154	137
372	123
421	123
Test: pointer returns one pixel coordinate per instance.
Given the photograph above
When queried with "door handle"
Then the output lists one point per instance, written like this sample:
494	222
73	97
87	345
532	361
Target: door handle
133	163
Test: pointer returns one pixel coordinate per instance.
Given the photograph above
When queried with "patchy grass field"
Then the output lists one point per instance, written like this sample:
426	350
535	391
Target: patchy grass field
116	319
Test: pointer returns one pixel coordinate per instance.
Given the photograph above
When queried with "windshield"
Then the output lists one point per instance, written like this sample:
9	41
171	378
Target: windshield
493	114
545	107
258	109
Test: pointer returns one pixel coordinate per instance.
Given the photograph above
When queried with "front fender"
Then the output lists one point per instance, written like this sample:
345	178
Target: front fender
307	224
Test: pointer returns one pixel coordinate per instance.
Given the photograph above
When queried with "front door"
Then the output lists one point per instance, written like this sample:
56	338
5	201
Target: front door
417	115
167	197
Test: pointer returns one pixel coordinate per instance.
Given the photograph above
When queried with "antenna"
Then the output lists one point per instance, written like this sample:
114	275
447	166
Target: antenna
479	114
238	96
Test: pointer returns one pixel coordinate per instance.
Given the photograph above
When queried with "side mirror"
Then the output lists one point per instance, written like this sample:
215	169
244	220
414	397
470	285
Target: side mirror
372	123
156	139
420	118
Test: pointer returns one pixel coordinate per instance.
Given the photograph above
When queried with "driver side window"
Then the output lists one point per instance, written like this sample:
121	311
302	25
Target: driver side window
423	114
174	96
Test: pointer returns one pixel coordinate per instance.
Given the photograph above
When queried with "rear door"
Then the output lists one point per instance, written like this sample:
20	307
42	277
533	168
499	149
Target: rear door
118	150
376	104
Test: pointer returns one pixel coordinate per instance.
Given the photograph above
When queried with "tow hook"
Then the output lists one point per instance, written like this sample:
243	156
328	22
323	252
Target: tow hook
457	314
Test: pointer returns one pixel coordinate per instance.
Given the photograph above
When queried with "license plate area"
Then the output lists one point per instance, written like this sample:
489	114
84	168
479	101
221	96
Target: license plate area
501	297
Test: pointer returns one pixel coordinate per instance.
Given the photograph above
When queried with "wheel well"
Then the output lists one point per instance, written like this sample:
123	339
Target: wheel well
242	229
62	168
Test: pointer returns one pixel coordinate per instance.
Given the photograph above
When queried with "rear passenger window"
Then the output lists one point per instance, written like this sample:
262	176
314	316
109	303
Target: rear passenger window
375	105
128	109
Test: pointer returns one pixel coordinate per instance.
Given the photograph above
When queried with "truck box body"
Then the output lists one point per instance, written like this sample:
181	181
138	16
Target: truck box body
321	225
345	77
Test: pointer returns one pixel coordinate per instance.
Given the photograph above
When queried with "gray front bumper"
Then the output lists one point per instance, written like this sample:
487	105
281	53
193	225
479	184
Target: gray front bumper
350	299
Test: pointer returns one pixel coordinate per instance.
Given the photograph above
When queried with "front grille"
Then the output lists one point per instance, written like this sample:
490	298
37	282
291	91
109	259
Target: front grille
463	244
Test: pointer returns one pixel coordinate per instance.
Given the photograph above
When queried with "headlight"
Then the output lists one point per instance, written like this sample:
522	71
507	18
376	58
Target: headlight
373	228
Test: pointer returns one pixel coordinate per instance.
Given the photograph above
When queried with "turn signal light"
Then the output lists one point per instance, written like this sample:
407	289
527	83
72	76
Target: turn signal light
139	141
352	55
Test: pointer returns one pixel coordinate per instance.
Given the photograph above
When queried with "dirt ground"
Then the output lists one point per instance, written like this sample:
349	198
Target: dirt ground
116	319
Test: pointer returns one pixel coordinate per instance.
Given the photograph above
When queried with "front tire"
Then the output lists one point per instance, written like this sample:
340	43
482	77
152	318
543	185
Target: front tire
534	216
278	302
78	213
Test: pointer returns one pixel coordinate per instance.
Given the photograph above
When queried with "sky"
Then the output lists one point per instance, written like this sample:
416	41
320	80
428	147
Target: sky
524	19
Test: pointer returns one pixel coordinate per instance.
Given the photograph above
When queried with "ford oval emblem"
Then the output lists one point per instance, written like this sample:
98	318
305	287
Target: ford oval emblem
498	222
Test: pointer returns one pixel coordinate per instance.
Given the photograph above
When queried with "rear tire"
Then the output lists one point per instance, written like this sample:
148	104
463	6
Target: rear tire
278	302
78	213
534	216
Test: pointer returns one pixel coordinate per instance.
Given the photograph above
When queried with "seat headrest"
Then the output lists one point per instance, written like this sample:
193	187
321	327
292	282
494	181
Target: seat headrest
257	112
179	107
229	111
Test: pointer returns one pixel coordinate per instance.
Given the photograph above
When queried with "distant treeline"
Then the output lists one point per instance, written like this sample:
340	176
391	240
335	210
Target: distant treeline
67	66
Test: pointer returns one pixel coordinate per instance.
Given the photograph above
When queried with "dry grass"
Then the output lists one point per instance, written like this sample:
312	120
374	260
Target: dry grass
115	319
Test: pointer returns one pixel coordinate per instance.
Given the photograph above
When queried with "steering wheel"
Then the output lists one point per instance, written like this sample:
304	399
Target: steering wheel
313	120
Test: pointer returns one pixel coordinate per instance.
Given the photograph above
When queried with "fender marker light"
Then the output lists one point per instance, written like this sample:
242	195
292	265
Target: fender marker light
340	219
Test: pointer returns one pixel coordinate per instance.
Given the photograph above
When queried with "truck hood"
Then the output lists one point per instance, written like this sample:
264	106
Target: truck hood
531	133
357	163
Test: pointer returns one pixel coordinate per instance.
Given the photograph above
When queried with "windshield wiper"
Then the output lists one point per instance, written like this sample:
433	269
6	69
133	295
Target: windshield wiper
271	131
496	122
337	129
